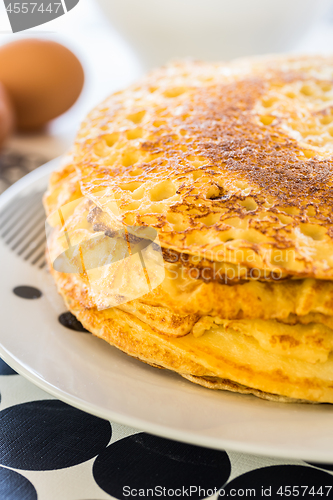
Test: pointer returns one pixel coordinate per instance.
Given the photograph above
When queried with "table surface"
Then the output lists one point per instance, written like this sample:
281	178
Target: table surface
51	451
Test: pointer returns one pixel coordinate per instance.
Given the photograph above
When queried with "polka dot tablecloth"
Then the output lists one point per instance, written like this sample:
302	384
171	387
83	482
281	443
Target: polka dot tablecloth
52	451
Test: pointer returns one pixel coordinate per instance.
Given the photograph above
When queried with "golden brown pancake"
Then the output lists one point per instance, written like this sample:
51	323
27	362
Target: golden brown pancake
232	165
229	162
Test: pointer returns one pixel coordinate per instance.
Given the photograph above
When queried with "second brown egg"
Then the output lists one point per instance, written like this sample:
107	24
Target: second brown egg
7	117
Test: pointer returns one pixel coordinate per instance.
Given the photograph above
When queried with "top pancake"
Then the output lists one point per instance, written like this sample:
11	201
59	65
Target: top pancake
229	162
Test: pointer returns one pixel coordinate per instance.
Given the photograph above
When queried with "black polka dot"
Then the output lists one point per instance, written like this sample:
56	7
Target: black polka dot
6	369
27	292
278	481
49	434
13	486
142	462
321	465
68	320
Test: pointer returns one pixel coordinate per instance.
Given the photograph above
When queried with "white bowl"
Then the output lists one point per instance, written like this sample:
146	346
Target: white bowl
160	30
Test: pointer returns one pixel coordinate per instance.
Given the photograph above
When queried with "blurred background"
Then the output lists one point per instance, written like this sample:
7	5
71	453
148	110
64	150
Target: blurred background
116	41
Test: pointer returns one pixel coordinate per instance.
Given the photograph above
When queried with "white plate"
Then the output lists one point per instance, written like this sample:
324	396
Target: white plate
88	373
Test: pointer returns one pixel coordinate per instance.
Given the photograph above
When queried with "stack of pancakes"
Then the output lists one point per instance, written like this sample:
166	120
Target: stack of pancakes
231	164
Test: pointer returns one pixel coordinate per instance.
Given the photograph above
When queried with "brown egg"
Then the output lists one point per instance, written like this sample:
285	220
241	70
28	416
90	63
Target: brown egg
6	115
43	80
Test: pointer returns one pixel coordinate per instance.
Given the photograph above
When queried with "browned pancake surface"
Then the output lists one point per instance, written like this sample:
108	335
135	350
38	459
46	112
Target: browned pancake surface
229	162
